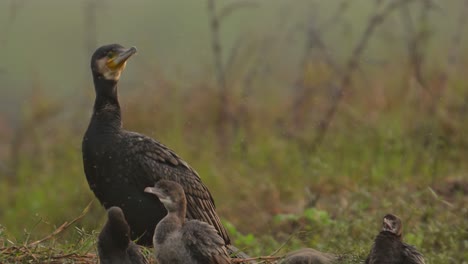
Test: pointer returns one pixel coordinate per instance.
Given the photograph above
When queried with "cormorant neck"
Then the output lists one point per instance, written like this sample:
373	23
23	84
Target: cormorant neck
388	236
106	106
386	248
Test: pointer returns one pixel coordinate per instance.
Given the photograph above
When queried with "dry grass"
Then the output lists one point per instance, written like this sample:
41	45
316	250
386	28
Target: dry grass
42	251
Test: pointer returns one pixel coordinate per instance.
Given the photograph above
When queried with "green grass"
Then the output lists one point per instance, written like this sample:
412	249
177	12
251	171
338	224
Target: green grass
272	194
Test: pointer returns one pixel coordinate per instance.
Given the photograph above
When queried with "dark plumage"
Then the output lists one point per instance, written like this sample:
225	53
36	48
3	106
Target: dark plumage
388	247
119	164
177	241
114	244
308	256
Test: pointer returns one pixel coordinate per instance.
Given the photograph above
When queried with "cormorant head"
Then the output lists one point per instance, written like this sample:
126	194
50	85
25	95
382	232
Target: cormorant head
170	193
392	223
109	61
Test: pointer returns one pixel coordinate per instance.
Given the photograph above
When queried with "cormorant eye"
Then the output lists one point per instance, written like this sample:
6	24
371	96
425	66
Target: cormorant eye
110	54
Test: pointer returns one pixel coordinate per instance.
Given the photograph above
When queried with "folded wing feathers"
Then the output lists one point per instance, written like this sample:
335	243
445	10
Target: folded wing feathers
159	163
412	254
205	240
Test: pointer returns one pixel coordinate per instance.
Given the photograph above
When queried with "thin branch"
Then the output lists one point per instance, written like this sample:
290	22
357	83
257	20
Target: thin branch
14	9
267	258
315	38
436	196
61	228
453	55
216	44
90	25
408	24
417	38
343	6
233	54
287	240
223	114
374	21
313	41
215	19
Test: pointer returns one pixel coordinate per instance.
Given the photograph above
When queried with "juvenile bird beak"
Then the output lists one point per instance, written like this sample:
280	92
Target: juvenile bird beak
121	58
153	190
387	225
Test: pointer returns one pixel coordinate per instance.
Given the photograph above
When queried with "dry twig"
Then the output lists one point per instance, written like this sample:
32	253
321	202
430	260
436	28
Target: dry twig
61	228
38	253
216	18
269	259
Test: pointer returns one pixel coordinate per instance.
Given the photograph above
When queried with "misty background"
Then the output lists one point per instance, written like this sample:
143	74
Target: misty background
308	120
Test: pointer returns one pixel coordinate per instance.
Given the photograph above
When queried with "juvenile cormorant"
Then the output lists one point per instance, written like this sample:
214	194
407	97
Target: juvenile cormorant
308	256
114	244
388	247
119	164
177	241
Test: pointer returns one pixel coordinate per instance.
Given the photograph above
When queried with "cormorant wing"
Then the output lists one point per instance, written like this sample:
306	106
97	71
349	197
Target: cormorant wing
411	255
204	242
157	162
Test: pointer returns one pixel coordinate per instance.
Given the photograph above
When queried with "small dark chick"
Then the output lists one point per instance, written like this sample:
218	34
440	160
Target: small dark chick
180	241
388	247
114	244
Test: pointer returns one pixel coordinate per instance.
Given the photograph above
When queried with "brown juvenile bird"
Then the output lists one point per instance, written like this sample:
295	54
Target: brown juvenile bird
114	244
388	247
180	241
308	256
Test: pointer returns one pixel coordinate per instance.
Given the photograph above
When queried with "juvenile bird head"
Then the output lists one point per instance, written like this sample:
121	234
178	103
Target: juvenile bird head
170	193
392	223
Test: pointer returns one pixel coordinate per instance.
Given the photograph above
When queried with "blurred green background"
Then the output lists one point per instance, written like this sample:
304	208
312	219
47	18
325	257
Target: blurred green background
323	116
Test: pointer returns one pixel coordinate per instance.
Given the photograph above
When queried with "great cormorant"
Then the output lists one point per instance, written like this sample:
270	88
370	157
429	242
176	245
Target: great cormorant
388	247
114	244
119	164
177	241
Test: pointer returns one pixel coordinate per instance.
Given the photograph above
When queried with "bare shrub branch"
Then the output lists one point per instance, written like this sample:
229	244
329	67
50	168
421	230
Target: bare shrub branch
353	62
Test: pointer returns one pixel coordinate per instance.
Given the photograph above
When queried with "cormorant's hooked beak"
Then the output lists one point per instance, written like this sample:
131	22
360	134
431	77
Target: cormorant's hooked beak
122	56
160	194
